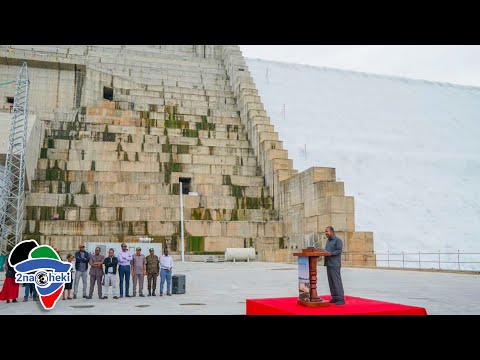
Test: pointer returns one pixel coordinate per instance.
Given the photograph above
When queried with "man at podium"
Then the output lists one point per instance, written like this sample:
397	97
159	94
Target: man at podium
333	262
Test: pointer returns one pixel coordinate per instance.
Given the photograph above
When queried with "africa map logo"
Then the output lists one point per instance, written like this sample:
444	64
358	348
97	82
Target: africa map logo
41	266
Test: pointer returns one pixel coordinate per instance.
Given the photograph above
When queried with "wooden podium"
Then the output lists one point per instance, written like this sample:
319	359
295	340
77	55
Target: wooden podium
307	276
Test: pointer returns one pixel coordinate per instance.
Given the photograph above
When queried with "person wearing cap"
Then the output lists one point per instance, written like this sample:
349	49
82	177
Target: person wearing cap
166	266
139	270
81	266
153	269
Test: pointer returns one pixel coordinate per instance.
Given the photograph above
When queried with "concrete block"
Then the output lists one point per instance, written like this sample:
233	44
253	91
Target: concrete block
221	243
327	188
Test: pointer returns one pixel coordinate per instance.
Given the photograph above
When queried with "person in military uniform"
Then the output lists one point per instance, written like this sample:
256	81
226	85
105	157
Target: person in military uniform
138	270
153	269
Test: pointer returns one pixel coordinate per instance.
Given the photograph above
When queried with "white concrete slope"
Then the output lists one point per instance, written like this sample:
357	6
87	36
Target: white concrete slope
407	150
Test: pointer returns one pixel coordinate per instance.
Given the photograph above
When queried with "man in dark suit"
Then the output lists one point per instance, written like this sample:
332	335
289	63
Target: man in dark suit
82	259
333	262
110	278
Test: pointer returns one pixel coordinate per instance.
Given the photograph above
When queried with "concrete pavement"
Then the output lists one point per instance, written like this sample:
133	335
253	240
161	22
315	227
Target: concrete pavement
222	288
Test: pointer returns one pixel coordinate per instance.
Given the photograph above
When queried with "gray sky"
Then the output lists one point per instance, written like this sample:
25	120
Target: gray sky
458	64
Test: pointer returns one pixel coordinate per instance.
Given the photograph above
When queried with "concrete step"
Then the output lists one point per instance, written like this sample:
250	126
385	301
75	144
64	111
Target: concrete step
240	155
244	229
88	144
60	129
131	95
70	243
135	118
180	110
207	157
184	161
147	200
37	213
148	177
125	85
108	187
150	135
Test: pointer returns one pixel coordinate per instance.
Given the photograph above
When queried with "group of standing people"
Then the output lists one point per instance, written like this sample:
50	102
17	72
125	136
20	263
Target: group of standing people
104	270
103	273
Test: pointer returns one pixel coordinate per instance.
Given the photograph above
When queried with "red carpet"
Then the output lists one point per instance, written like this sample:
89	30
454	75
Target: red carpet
353	306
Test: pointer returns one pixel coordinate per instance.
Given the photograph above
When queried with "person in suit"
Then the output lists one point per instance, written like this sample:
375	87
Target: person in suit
333	262
110	263
82	259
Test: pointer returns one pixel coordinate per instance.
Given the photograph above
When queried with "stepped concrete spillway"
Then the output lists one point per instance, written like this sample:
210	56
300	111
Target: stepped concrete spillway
119	126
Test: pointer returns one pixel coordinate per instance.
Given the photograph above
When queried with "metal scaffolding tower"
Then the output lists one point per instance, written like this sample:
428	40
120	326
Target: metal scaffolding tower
12	191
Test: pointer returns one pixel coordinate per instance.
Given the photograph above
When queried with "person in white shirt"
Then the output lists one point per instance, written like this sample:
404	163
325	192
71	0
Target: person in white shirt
166	266
124	259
